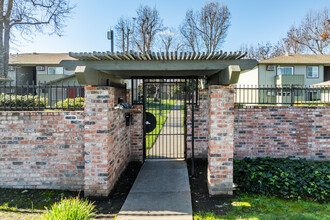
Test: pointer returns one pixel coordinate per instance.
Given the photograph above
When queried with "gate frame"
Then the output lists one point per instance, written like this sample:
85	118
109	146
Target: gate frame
194	100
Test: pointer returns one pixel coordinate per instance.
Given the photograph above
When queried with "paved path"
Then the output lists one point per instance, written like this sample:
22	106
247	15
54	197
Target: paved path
161	191
170	142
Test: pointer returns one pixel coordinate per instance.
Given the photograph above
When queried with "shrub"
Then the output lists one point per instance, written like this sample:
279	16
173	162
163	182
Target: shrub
7	100
284	177
311	103
71	102
70	209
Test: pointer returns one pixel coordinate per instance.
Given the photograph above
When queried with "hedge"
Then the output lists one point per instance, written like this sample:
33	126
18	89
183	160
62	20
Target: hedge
284	177
7	100
71	102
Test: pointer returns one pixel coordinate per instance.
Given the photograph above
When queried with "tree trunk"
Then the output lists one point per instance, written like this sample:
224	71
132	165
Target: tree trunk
6	49
2	52
5	43
156	95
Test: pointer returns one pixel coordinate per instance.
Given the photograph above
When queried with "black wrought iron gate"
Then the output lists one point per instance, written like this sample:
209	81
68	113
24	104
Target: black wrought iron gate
165	109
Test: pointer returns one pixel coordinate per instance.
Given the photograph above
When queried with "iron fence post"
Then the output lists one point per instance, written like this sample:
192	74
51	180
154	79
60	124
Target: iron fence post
292	94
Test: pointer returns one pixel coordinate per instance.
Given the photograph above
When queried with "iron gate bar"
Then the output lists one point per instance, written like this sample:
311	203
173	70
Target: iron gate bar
146	78
193	127
144	124
169	147
175	122
185	119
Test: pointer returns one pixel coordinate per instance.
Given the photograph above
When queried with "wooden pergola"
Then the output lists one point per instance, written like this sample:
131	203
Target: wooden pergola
97	68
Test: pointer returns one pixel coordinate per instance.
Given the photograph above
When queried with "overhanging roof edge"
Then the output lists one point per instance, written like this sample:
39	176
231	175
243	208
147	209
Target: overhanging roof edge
138	56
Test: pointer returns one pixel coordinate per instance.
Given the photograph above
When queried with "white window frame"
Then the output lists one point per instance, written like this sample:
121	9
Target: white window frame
291	67
50	67
313	77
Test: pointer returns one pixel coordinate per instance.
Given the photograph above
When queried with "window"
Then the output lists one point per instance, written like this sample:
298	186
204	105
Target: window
284	94
284	70
313	96
313	72
55	70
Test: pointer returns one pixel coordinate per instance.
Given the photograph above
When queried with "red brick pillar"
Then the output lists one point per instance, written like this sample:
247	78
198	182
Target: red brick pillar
221	140
137	133
99	103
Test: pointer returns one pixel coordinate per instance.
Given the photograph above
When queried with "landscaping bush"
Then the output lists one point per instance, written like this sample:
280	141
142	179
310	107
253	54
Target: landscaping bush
71	102
311	103
7	100
70	209
284	177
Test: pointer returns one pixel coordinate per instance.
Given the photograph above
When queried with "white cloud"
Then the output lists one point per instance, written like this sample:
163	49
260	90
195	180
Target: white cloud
166	32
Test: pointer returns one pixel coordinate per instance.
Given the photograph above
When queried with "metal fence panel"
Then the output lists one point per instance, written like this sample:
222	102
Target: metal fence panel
38	97
283	95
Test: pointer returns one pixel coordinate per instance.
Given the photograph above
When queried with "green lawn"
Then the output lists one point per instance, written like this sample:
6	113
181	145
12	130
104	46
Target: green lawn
161	119
159	110
165	105
252	206
27	204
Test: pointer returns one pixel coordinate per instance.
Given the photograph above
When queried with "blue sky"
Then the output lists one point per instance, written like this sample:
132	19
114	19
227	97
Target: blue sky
252	21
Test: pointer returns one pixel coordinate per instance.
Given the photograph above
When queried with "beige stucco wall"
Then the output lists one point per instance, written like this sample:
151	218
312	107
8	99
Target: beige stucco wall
66	72
47	78
22	74
266	77
248	77
70	81
260	76
43	76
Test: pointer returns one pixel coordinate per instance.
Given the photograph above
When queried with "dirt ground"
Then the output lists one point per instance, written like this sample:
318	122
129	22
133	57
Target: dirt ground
201	201
23	203
110	207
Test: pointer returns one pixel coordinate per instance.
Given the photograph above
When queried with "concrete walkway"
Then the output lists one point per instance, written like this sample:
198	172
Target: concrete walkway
170	141
161	191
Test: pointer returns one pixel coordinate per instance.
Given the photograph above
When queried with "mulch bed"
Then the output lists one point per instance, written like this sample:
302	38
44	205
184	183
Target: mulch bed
109	207
201	201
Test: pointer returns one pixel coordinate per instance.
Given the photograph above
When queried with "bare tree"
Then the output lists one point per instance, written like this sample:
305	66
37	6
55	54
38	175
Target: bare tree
148	24
314	32
169	40
211	24
27	17
290	43
263	51
189	32
166	38
214	23
278	49
124	32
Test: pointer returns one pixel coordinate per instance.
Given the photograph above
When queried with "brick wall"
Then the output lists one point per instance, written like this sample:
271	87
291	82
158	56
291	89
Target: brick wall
42	150
294	132
201	126
70	150
107	141
137	133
